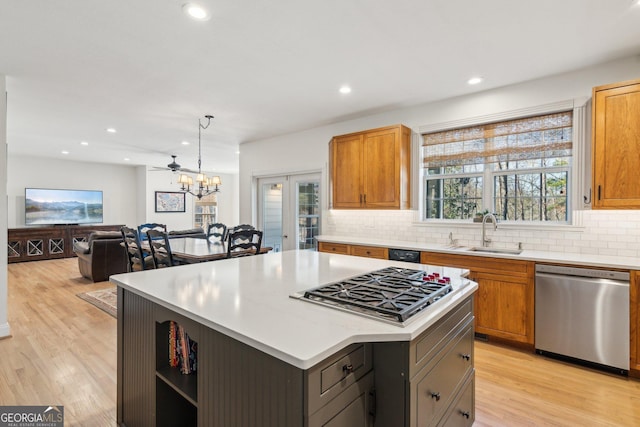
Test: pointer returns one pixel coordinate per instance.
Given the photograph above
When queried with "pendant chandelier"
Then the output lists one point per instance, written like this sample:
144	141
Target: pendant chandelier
204	185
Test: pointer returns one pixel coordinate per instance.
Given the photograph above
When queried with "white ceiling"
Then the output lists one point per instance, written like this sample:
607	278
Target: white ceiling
264	68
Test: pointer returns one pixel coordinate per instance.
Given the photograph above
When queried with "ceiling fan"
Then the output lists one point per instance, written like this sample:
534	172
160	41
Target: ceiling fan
173	166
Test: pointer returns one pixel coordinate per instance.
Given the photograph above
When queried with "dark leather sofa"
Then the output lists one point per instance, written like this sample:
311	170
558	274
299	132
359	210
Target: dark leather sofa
101	255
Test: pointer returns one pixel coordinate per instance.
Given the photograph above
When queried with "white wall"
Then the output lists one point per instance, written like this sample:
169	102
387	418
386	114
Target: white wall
167	181
117	183
128	191
4	324
309	150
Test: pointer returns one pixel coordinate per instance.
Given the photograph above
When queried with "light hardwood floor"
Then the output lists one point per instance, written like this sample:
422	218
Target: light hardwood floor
63	351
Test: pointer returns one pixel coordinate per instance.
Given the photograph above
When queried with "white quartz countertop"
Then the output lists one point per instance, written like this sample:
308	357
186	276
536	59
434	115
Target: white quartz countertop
249	300
586	260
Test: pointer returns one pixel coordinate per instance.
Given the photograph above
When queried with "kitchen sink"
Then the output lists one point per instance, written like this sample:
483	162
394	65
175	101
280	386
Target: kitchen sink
496	250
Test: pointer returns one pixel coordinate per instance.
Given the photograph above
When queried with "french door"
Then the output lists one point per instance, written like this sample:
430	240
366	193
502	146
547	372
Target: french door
289	211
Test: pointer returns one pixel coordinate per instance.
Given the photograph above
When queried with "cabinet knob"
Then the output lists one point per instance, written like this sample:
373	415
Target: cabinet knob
465	414
466	356
347	369
435	396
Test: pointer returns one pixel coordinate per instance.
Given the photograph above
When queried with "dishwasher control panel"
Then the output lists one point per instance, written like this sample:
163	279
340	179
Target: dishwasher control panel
582	272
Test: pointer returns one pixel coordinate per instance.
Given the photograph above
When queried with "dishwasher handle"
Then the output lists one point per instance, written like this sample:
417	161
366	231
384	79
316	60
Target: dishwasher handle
582	272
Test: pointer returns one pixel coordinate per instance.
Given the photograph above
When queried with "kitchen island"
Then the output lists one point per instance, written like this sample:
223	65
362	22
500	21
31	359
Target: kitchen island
264	358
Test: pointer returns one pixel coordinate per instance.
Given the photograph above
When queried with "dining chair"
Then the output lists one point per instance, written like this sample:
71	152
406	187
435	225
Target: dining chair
241	227
137	260
244	243
160	248
143	228
217	233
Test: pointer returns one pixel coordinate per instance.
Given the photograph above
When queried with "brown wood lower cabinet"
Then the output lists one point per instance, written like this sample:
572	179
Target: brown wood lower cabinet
355	250
427	381
504	304
333	248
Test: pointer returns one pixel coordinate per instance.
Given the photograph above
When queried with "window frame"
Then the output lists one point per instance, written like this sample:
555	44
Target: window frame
579	173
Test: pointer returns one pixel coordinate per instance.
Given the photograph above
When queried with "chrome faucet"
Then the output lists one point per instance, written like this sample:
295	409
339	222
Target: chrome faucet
485	239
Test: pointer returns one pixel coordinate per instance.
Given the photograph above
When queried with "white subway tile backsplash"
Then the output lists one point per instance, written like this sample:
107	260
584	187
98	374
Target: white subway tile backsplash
602	232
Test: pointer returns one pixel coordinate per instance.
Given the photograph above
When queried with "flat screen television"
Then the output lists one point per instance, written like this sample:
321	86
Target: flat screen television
48	206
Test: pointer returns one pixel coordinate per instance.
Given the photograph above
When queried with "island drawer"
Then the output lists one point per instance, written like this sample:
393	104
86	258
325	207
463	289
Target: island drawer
436	388
335	374
461	413
335	248
425	348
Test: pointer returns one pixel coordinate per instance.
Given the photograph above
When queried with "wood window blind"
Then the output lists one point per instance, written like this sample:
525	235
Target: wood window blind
545	136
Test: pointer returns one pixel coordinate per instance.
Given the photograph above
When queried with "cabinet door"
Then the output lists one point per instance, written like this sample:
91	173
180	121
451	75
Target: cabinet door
381	169
502	307
616	146
346	171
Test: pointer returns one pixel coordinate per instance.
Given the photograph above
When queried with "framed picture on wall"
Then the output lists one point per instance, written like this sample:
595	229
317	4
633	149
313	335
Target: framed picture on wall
170	201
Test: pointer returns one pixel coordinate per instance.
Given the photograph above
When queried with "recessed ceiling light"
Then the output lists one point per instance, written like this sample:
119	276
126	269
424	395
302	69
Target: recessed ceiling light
345	89
185	143
196	11
238	152
85	143
111	130
126	159
64	152
474	80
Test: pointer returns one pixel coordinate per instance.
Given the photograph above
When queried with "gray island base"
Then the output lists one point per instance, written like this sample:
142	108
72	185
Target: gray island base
370	374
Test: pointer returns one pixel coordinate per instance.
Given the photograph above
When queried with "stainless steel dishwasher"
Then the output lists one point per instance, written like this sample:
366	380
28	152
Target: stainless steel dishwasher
583	314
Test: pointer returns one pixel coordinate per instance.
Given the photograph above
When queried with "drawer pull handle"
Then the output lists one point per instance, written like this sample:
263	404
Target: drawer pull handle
465	414
435	396
466	357
347	369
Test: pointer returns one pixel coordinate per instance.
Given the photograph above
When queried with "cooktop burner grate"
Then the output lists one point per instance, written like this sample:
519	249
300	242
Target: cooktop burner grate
392	293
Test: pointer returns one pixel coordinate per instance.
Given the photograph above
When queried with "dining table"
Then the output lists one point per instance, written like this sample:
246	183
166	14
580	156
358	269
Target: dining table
190	250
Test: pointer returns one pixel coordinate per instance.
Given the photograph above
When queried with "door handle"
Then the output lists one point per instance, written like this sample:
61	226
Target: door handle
285	236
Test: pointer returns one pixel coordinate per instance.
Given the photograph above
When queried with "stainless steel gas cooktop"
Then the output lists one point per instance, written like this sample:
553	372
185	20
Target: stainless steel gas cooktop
392	294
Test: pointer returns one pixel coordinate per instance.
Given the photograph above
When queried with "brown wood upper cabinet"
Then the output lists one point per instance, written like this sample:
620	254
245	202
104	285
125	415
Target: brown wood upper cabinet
371	169
616	145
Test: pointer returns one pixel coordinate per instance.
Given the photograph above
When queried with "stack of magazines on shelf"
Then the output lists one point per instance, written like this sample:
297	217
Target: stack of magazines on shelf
183	351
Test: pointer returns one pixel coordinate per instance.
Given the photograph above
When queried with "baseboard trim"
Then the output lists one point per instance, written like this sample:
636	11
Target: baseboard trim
5	330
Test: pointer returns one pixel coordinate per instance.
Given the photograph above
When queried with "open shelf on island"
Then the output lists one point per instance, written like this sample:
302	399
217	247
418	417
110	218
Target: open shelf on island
172	409
176	391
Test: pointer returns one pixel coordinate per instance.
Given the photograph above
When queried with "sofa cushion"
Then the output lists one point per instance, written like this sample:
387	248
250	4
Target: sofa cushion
97	235
81	247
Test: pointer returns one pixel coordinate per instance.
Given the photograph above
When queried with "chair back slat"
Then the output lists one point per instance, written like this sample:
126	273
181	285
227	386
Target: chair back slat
217	233
136	257
160	249
143	228
243	243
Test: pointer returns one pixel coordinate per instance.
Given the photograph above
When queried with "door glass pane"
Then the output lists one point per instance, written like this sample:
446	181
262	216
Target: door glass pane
272	215
308	214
